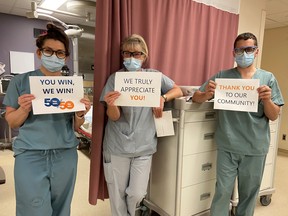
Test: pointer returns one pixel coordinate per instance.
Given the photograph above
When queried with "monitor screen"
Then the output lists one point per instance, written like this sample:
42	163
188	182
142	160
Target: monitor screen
4	85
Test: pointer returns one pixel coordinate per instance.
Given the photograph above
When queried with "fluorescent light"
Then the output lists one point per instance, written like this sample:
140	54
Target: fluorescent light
52	4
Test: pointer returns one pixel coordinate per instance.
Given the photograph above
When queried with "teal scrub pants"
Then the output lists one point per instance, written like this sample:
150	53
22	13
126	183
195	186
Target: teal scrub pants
44	182
249	171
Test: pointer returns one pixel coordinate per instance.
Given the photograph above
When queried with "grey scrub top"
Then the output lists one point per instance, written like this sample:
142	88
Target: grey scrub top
39	132
246	133
134	133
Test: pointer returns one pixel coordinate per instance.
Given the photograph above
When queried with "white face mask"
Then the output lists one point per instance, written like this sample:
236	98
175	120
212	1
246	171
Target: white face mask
132	64
52	63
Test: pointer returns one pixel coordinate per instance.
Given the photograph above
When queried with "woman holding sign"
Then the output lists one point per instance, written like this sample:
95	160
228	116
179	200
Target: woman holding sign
46	148
130	134
242	137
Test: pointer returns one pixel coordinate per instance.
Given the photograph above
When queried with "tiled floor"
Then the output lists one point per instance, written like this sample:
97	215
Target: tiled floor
81	207
80	204
279	203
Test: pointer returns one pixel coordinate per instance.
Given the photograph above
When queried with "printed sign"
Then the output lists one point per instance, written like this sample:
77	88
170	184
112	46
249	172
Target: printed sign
236	94
142	89
56	94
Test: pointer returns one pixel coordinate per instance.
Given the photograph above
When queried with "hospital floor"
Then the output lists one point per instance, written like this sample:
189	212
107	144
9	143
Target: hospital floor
81	207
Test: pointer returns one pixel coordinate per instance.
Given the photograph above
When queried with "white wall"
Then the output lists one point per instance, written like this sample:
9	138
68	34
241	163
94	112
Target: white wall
275	60
273	46
252	19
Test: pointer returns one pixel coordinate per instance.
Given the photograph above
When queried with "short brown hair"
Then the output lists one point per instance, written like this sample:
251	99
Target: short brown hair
56	33
246	36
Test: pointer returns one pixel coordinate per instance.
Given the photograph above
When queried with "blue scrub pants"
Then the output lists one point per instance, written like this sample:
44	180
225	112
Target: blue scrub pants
44	182
127	180
249	170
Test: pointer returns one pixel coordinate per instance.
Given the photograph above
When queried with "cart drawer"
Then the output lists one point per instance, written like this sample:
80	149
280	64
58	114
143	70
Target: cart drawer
199	137
268	176
197	198
199	168
273	126
200	116
273	139
270	156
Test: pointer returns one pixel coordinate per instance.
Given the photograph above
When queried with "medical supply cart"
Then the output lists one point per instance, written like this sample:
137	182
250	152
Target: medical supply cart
183	173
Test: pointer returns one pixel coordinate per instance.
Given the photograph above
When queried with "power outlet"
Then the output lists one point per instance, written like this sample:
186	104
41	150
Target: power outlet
284	137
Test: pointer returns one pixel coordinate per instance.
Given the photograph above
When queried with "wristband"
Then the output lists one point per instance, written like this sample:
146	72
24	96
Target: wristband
165	97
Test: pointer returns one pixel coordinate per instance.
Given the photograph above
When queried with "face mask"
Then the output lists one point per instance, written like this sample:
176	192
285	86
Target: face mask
244	60
52	63
132	64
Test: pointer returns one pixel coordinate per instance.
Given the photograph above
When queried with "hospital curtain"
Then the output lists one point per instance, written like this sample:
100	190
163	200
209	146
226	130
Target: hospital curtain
189	41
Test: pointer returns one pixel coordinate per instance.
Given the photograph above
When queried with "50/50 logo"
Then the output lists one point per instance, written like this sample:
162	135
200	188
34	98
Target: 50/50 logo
56	102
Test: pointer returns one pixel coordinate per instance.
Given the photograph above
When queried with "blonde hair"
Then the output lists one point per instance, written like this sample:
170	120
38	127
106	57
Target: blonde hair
134	40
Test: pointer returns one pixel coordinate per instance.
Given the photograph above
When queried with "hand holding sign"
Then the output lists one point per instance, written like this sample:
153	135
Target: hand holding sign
210	89
264	92
110	97
25	102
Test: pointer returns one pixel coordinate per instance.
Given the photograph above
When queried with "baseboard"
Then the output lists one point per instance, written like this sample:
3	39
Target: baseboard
283	152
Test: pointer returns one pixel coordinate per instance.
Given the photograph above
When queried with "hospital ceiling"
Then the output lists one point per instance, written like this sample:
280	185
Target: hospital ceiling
84	11
78	12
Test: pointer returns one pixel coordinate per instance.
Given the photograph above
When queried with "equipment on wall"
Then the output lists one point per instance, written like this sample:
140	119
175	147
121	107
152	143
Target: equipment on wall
4	79
72	31
2	66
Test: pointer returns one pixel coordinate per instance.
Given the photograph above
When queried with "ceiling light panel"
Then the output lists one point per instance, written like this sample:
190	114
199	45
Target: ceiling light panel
52	4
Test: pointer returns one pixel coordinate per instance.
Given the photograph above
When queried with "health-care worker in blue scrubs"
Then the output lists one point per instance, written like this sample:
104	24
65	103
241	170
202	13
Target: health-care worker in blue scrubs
45	149
130	134
242	138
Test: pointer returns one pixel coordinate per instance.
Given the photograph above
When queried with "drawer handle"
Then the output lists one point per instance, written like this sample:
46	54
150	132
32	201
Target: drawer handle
206	166
205	196
208	136
210	115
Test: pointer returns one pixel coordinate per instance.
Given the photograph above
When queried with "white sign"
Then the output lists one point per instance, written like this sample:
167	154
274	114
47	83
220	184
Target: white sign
164	125
21	62
56	94
142	89
236	94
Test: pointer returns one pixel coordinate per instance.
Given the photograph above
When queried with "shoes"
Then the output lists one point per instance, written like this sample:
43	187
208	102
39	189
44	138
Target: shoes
2	176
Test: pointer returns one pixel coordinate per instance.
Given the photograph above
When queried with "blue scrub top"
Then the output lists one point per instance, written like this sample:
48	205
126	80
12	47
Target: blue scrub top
39	132
246	133
134	133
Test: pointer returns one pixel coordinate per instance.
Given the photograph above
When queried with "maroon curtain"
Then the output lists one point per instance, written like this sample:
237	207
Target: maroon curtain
187	41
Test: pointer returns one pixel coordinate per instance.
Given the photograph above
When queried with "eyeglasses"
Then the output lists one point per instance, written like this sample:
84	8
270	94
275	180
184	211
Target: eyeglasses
247	49
49	52
127	54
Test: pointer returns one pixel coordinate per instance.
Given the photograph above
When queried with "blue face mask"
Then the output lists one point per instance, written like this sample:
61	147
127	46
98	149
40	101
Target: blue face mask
52	63
132	64
244	60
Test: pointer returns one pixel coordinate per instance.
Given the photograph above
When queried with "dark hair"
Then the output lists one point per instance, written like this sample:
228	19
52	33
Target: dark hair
246	36
56	33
